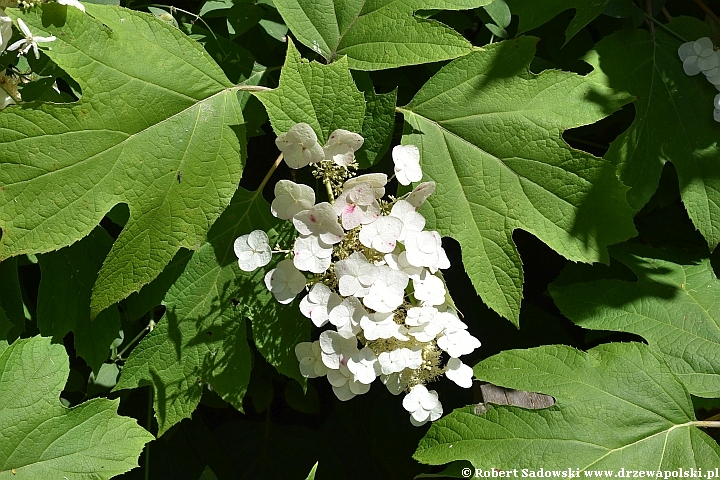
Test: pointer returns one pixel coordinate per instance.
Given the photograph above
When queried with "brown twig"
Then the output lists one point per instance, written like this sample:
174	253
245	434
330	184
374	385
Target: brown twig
667	15
707	10
648	8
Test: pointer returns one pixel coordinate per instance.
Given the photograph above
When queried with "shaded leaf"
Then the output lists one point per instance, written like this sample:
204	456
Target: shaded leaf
202	337
138	127
674	304
376	34
11	301
51	441
673	120
617	405
64	298
378	126
533	14
500	164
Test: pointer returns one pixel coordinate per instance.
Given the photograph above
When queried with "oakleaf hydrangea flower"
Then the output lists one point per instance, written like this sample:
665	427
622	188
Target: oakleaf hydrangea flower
407	164
319	220
695	54
312	254
310	358
344	385
357	206
459	373
423	405
382	234
285	281
364	249
458	343
30	41
291	198
253	250
316	304
364	365
341	147
377	180
337	347
716	113
299	146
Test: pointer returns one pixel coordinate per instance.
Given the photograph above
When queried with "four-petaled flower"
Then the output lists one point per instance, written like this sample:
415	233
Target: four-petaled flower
252	250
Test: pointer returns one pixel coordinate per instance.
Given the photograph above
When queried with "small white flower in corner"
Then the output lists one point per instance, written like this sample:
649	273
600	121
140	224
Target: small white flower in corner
30	41
407	164
72	3
299	146
459	373
5	30
253	250
341	147
285	281
716	113
423	405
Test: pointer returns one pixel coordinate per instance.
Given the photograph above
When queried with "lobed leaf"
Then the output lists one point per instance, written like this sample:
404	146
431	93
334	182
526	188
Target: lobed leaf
674	305
376	34
202	337
43	439
490	136
673	120
323	96
164	135
617	405
533	14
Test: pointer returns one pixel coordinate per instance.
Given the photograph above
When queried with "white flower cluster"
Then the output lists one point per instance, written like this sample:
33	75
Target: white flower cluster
701	56
376	280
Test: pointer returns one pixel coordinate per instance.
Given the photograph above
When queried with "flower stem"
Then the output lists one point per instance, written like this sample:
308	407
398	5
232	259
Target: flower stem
707	10
329	189
707	424
662	26
145	330
270	172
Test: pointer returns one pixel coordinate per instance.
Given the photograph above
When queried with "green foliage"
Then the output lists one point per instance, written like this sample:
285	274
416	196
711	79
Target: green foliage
617	405
11	301
43	439
500	164
202	337
674	305
64	298
673	120
533	14
323	96
137	136
378	34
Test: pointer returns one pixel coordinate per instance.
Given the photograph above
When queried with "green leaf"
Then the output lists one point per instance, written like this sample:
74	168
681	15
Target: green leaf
489	133
11	301
618	405
105	380
533	14
202	338
376	34
5	325
673	120
43	439
311	475
163	135
499	11
674	305
64	298
323	96
378	125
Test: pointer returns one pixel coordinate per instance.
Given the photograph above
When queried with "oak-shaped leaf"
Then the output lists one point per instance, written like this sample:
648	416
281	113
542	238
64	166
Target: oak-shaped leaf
673	119
323	96
43	439
490	136
618	405
164	135
376	34
674	304
201	340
